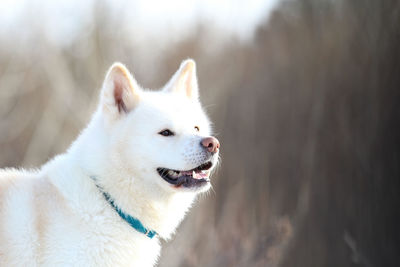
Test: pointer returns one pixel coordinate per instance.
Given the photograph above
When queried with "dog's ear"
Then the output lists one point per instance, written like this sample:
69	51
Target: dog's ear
120	92
184	80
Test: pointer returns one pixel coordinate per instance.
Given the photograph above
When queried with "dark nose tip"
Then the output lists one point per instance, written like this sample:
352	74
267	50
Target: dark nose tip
211	144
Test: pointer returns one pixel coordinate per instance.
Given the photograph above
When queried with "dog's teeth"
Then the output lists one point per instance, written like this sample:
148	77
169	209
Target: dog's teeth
173	174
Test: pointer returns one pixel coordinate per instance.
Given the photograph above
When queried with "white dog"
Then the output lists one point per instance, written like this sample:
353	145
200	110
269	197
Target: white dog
127	181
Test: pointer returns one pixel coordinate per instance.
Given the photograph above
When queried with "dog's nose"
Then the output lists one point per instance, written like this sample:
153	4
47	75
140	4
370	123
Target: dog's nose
211	144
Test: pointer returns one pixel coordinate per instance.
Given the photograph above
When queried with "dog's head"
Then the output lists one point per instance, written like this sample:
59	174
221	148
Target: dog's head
161	137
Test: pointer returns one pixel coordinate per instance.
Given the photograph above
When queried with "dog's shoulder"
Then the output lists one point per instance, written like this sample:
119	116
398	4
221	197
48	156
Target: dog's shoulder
9	177
12	178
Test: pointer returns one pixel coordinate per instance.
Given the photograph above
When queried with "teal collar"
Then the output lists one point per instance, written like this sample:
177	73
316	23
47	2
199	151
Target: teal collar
135	223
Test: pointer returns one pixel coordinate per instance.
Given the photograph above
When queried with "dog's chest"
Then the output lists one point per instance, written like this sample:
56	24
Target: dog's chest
104	246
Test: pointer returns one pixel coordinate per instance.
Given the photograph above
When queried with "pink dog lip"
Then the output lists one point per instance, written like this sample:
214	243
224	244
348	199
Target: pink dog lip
191	178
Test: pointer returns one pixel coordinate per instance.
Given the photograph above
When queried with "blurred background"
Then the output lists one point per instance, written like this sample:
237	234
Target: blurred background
303	95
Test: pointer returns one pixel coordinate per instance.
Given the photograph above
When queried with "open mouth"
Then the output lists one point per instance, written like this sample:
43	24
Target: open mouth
192	178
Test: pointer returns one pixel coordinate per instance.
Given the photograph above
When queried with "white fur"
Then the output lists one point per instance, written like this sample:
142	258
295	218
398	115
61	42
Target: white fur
56	216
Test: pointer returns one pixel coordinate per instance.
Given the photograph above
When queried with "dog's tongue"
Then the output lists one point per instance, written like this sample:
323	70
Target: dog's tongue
200	175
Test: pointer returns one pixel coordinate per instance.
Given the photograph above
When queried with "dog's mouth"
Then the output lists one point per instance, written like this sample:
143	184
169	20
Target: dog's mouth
196	177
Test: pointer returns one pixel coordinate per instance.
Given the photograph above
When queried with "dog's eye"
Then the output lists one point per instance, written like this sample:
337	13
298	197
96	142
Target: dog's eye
166	132
197	128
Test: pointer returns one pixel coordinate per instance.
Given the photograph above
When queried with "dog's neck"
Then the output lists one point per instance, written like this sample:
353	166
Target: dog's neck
156	208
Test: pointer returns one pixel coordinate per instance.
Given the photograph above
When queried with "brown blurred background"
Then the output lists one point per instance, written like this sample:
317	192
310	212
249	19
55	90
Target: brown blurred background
304	102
